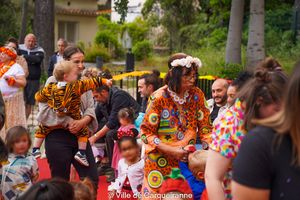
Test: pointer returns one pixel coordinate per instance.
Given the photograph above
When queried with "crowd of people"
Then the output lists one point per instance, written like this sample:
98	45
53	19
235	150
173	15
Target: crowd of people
242	144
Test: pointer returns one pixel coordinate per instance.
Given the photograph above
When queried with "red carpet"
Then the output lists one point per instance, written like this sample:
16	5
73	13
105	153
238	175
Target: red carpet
45	174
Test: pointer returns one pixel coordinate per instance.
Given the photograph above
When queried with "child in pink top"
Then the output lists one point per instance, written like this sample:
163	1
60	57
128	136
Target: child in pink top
126	119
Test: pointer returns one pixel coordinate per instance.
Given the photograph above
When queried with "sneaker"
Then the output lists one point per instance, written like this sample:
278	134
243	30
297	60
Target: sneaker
81	158
111	177
36	153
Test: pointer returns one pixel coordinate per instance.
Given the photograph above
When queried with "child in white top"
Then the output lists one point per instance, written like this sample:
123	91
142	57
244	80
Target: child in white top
21	169
130	168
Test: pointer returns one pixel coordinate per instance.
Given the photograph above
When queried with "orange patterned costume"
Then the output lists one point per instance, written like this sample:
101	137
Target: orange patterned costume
173	124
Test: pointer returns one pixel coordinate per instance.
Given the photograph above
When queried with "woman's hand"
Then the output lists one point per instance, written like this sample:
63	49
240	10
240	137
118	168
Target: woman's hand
180	154
76	125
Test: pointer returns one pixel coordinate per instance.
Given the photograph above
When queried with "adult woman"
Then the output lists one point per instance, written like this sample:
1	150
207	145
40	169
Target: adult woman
176	113
13	43
12	79
272	169
62	142
259	98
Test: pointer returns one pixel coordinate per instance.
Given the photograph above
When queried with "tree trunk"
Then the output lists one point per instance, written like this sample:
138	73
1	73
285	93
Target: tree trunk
297	5
44	27
256	39
234	39
23	21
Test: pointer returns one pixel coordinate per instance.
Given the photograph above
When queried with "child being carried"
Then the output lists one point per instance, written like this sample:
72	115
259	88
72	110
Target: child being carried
64	98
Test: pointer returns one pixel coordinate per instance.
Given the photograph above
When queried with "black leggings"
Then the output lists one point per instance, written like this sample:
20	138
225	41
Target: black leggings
61	147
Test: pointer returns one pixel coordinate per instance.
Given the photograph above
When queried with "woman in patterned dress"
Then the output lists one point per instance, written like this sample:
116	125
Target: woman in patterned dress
259	98
12	80
175	115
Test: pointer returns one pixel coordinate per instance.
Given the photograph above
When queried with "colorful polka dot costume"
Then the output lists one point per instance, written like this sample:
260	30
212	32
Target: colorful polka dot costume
227	137
176	125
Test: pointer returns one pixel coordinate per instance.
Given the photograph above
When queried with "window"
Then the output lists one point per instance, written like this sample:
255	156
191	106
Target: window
68	31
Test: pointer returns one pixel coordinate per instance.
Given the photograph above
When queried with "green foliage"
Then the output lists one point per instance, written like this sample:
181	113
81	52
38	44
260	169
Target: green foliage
231	71
97	50
137	30
121	6
8	22
142	49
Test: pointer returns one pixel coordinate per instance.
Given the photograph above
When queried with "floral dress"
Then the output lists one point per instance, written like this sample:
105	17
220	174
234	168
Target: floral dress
175	124
227	136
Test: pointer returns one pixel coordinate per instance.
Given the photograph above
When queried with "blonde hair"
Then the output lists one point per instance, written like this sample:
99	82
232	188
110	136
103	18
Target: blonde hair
197	161
62	68
84	190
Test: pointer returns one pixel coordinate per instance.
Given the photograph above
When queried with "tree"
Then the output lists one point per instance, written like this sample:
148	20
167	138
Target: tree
8	25
44	26
23	21
256	43
234	39
121	6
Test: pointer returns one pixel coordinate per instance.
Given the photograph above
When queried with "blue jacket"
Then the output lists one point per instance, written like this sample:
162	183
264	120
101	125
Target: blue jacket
52	62
196	185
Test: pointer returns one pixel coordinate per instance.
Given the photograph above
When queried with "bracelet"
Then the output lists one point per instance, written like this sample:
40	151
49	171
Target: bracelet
11	81
95	135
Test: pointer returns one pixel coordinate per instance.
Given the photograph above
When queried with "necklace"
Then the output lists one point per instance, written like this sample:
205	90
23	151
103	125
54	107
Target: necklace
177	99
4	68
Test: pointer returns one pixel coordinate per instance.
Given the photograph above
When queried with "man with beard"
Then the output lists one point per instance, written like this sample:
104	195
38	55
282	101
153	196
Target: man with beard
218	103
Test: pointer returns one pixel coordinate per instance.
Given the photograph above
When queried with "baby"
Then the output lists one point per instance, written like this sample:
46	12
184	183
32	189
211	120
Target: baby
194	170
64	98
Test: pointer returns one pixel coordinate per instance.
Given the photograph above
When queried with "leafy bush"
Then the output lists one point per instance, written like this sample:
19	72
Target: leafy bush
231	71
142	49
94	51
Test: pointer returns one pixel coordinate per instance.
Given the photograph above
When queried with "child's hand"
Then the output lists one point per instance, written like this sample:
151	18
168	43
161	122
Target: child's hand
190	148
108	82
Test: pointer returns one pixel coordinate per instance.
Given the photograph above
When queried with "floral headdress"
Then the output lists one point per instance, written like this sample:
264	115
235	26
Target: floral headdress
127	133
186	62
9	51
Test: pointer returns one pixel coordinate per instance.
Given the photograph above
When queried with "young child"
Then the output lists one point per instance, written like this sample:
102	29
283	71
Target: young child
175	187
126	120
21	170
193	171
64	98
130	168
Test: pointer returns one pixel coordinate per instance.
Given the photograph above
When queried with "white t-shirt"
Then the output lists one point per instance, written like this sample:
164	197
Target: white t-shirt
15	71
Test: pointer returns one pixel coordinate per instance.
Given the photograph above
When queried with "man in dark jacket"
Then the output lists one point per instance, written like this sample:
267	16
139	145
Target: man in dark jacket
114	100
34	56
58	55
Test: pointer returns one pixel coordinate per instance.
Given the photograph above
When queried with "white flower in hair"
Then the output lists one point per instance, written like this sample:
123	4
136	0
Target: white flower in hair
186	62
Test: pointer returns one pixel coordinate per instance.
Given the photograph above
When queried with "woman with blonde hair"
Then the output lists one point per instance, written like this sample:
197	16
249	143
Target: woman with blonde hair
268	163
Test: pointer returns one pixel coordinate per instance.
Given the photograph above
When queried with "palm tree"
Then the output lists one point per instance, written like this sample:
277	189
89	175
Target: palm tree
234	39
256	39
44	26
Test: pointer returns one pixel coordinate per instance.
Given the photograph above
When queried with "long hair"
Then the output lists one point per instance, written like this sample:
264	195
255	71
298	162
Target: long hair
287	120
264	89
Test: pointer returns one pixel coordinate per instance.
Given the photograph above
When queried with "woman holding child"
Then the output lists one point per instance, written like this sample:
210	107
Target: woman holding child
175	115
12	80
61	144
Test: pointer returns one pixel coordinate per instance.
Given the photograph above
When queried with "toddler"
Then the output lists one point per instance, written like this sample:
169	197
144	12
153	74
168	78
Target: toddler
126	120
64	98
130	168
21	169
193	171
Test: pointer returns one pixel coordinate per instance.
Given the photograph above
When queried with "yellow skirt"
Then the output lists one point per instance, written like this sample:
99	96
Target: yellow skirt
14	112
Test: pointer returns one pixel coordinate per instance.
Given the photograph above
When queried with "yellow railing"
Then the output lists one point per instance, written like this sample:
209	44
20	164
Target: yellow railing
162	75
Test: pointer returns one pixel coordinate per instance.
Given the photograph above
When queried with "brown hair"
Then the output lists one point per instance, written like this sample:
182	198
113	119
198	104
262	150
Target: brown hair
62	68
264	89
197	161
71	50
173	77
84	190
13	135
126	113
287	121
